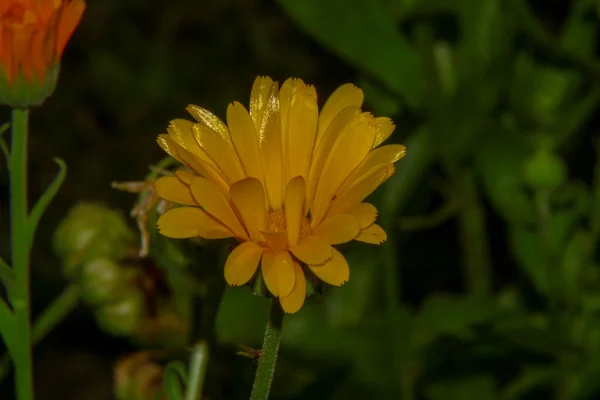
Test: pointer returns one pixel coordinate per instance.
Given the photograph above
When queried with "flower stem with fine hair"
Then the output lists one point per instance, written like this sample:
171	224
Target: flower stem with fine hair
20	254
268	357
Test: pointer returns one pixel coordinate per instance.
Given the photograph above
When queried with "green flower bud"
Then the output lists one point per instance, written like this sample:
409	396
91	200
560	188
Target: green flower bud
92	231
544	170
103	280
123	317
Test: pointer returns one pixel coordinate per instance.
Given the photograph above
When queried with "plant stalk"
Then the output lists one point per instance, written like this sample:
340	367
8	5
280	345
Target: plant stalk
268	357
20	254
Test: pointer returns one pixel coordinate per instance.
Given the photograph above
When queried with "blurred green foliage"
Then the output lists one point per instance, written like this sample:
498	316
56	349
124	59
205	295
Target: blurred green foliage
489	284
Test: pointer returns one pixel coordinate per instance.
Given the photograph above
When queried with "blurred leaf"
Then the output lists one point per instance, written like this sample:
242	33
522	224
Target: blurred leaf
365	34
574	259
481	387
382	102
8	327
242	317
499	158
174	378
579	32
443	314
527	247
529	379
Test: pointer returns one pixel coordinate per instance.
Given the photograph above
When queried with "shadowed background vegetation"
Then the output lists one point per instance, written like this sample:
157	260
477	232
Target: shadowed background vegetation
489	284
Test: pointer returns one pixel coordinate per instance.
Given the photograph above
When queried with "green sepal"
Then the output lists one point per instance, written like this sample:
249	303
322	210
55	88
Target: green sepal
23	93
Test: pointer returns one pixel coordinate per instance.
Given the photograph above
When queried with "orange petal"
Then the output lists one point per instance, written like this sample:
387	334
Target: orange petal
209	119
244	139
249	198
335	271
277	241
242	263
210	198
312	250
373	234
278	272
294	301
337	229
294	204
346	95
187	222
172	189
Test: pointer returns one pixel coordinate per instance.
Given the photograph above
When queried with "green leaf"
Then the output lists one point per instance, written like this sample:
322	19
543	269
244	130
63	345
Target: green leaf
443	314
7	276
575	258
174	378
480	387
499	160
365	34
44	201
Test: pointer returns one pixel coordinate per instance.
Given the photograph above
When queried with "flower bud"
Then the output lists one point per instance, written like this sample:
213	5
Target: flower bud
138	377
124	316
104	280
92	231
544	170
33	36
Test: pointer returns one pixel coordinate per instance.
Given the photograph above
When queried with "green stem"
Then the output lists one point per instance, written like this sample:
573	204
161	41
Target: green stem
62	306
473	234
198	364
268	356
20	254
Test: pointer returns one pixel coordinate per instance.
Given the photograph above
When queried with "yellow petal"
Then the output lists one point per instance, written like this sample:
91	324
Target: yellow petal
361	188
259	98
210	198
270	149
223	155
385	154
337	229
180	130
385	127
242	263
294	205
300	132
347	153
278	272
321	151
203	169
346	95
169	146
286	93
249	198
172	189
373	234
294	301
244	139
335	271
312	250
187	222
276	241
185	176
365	213
209	119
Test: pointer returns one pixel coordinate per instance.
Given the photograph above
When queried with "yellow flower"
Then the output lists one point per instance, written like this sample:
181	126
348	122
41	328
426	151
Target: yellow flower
283	179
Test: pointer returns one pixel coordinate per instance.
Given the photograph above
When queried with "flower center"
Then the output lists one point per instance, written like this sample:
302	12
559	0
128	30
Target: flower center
276	223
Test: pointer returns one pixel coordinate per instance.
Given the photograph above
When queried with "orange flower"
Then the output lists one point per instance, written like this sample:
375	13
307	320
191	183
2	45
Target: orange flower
33	36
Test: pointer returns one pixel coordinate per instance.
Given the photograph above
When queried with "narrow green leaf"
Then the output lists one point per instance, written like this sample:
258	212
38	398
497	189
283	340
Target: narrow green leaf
7	275
44	201
3	146
198	363
364	33
174	377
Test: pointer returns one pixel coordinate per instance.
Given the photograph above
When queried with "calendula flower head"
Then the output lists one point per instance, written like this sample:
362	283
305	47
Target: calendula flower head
33	36
287	181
